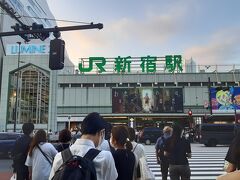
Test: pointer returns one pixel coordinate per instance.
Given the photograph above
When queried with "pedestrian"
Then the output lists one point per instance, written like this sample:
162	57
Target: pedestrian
138	149
93	130
233	155
64	138
178	150
159	147
40	156
20	152
124	158
106	145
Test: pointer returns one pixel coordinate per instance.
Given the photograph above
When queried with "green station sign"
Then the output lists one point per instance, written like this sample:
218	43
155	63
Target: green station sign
173	63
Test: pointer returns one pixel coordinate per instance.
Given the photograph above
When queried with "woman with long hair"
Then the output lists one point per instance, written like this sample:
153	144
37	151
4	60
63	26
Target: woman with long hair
40	156
124	158
178	150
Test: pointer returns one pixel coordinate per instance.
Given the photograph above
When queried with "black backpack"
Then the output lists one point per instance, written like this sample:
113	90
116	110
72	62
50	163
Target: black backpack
76	167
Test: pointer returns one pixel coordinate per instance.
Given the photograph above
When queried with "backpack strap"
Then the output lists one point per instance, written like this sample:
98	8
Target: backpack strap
91	154
66	155
135	147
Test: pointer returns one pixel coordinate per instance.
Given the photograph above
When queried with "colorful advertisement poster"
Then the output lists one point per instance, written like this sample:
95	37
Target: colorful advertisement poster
225	99
147	100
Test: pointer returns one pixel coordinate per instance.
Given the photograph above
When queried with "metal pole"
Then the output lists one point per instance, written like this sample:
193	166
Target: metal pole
16	100
235	113
69	122
209	93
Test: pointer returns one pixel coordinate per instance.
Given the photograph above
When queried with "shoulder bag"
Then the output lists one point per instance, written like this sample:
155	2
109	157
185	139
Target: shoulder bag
45	155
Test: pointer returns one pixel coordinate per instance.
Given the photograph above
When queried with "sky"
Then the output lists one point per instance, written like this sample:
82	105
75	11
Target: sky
206	30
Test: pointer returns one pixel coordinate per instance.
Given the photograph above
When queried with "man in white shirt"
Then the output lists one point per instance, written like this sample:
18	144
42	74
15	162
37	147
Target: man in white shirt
93	130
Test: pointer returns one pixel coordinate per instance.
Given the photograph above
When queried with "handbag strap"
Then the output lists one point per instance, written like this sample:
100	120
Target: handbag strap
135	147
46	156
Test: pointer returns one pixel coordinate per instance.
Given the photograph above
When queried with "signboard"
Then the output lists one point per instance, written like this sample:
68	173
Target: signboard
72	119
225	99
148	64
147	100
27	49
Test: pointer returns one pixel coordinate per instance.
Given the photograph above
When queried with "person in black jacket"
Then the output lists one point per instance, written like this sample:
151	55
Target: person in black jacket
20	152
177	149
124	158
233	155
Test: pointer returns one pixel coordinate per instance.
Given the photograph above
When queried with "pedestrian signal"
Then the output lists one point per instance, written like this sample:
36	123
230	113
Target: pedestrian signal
56	55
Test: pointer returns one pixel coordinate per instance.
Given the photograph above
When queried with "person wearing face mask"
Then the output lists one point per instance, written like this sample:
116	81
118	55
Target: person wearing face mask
93	133
159	147
20	151
177	149
106	144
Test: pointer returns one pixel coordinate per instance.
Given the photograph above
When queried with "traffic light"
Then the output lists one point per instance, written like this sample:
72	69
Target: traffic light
17	27
42	35
56	55
189	112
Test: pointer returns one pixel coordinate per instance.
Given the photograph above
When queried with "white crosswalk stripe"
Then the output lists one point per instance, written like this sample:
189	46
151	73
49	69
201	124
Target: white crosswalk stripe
204	165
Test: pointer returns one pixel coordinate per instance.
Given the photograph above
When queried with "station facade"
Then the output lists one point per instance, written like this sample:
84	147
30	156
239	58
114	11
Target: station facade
58	99
145	99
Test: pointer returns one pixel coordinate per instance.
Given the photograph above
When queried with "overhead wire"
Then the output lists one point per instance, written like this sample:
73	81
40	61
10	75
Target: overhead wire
50	19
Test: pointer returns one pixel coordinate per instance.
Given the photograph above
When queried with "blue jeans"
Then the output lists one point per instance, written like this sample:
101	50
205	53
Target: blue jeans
177	171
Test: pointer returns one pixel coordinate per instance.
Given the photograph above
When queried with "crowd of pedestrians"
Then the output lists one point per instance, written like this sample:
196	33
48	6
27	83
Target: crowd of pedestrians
112	150
104	152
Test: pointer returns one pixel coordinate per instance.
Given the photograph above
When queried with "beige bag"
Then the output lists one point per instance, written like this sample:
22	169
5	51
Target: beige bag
235	175
14	176
144	172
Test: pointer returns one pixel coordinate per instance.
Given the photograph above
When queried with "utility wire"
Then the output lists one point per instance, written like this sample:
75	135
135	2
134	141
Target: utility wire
50	19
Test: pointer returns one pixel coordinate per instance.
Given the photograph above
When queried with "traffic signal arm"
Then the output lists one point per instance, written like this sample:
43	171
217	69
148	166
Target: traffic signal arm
68	28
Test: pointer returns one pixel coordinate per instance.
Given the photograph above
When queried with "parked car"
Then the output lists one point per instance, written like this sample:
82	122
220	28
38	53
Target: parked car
150	135
7	141
217	134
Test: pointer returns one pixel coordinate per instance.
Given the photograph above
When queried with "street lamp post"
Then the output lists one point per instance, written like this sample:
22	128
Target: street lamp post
209	93
131	122
16	100
235	111
69	122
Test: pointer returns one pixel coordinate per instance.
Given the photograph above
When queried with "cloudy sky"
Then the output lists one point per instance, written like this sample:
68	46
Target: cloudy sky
206	30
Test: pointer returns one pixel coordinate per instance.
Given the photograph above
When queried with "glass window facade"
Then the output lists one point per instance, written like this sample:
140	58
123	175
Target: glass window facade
28	96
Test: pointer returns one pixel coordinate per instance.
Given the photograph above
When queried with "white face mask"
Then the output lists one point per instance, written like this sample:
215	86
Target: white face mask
101	138
31	135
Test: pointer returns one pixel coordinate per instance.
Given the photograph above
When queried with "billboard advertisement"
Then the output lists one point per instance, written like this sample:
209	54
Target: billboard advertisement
147	100
225	99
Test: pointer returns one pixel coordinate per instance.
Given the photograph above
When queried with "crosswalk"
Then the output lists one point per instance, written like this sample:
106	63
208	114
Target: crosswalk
205	164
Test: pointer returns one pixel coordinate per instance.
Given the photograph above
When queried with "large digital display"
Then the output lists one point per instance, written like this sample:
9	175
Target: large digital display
147	100
225	99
